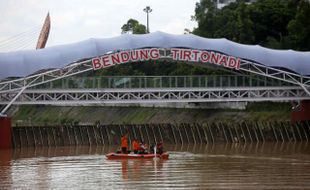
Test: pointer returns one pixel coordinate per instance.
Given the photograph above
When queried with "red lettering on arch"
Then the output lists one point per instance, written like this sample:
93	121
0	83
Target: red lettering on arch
234	62
134	55
96	63
115	58
187	55
195	53
215	57
144	54
124	56
223	60
175	54
105	61
154	53
205	56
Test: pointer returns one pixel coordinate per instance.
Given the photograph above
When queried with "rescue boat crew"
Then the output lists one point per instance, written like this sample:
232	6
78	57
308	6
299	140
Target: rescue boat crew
142	148
124	144
135	146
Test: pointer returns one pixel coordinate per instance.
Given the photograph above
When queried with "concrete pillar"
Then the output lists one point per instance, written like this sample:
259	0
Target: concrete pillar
302	113
5	133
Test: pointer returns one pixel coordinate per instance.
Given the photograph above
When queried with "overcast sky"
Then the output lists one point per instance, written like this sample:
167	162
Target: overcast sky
76	20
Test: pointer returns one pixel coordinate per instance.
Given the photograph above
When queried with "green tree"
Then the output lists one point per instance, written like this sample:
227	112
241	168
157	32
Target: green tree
270	19
244	25
299	27
205	13
278	24
134	27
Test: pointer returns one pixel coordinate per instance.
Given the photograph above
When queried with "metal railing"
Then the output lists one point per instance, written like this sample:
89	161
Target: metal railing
201	81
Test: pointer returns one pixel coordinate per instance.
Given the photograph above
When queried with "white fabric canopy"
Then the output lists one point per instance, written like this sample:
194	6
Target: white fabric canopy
24	63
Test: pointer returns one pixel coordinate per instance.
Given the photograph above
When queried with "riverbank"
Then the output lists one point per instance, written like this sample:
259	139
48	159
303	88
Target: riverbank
55	115
178	134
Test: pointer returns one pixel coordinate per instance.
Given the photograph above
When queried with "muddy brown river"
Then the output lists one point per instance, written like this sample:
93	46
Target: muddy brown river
219	166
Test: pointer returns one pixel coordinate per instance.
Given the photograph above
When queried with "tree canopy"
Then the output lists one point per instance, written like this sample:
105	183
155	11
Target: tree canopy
280	24
134	27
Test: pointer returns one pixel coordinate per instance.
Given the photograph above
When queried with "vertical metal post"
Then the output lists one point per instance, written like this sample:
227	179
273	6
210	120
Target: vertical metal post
88	136
304	132
161	136
274	133
54	138
147	134
141	134
108	135
176	81
209	127
178	128
34	137
249	132
205	134
281	133
224	132
101	135
255	132
245	140
185	133
75	137
263	135
174	137
41	137
148	10
68	133
95	135
298	131
194	138
199	135
284	126
293	132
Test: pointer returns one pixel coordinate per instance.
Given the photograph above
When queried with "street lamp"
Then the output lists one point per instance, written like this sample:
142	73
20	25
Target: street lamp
147	9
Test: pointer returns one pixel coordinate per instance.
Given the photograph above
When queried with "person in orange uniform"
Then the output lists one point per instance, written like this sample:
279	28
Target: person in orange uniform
124	143
135	146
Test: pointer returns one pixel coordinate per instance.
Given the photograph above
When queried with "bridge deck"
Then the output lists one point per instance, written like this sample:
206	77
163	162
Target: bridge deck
155	95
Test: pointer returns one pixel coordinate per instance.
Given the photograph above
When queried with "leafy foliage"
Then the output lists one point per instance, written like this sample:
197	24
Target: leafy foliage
279	24
134	27
299	27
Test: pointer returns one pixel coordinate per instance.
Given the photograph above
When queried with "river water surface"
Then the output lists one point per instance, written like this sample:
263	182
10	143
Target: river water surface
219	166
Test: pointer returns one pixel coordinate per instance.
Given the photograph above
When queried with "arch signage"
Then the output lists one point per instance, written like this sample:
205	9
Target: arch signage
176	54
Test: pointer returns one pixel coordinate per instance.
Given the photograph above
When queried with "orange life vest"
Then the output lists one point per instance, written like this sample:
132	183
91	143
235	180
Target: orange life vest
124	142
135	145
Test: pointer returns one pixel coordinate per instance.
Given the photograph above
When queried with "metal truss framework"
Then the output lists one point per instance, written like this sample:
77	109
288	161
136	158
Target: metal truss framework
165	54
14	88
155	95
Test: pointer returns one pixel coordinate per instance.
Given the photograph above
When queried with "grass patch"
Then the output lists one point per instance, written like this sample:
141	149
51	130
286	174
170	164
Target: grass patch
54	115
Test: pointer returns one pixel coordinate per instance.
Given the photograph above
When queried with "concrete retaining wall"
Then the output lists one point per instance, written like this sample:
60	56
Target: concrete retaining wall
94	135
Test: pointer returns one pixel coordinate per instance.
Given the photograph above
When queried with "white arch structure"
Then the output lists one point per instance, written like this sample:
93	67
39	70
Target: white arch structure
36	67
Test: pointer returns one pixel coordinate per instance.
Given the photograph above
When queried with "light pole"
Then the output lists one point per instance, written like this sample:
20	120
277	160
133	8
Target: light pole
147	9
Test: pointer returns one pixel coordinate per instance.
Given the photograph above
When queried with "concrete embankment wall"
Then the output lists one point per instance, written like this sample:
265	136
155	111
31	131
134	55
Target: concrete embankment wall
93	135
